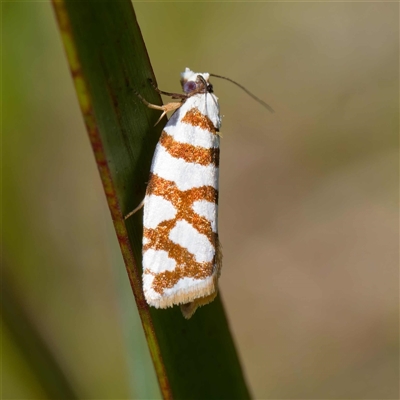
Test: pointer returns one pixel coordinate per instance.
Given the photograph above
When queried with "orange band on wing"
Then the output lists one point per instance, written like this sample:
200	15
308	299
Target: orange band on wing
188	152
186	265
195	118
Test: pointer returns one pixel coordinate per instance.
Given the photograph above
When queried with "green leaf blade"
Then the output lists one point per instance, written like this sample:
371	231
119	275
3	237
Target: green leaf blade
194	359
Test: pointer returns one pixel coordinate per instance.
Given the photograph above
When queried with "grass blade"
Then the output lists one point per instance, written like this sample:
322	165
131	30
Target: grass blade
108	61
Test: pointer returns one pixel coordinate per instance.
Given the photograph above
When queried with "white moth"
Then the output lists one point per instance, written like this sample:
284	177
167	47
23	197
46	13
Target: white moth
181	251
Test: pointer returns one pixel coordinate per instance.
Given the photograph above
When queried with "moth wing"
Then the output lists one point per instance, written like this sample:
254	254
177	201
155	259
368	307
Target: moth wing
181	255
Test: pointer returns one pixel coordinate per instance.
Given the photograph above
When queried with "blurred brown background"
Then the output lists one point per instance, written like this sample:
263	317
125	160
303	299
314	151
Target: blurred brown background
308	198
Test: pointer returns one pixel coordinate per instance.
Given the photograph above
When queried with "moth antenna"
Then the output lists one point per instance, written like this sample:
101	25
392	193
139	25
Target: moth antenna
254	97
206	93
215	102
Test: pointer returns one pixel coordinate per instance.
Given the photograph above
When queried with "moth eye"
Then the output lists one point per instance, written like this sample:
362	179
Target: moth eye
189	86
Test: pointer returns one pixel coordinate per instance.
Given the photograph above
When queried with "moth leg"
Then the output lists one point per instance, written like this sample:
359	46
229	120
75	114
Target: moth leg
135	210
173	95
165	108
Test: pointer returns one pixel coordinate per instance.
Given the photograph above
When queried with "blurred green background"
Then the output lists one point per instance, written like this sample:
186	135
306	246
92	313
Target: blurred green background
308	199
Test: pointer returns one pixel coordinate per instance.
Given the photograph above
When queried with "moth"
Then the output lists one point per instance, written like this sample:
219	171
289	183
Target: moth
182	256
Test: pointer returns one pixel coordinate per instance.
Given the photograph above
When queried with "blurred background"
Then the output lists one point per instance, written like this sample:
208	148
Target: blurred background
308	199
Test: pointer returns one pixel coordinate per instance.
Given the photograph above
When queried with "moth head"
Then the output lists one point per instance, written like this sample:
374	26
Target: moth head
195	82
